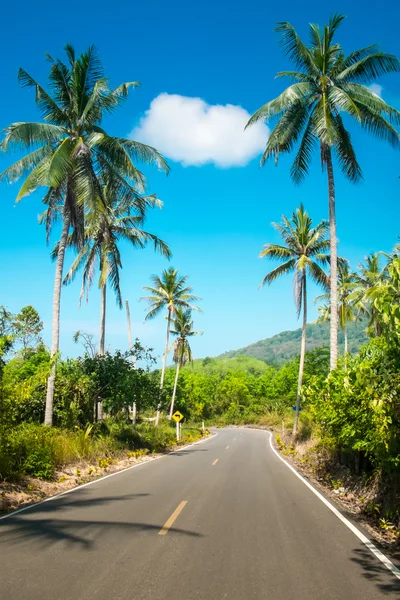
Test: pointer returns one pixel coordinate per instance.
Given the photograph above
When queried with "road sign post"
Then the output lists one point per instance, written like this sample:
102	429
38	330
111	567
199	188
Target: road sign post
177	417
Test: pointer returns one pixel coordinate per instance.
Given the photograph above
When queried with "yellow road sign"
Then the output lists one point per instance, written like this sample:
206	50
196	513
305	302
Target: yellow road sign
177	416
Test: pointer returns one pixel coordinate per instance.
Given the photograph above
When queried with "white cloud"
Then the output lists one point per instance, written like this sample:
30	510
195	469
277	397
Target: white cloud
376	88
192	132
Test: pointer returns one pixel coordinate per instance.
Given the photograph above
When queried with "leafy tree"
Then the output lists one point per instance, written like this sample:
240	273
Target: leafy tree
168	292
384	300
6	333
69	151
303	253
183	329
28	327
327	86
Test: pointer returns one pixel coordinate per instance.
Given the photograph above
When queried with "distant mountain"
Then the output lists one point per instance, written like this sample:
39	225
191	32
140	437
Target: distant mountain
286	345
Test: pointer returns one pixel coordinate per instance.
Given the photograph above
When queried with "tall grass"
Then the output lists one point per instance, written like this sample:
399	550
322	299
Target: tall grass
36	450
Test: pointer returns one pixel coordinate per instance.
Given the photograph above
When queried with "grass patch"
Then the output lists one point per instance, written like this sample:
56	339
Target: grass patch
39	451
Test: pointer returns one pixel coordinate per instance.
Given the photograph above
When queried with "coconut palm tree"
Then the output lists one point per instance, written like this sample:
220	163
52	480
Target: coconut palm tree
304	254
328	85
120	220
346	308
67	152
370	275
168	292
183	329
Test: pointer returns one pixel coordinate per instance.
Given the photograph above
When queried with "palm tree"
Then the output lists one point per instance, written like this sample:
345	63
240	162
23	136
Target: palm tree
303	253
183	328
328	85
120	219
346	309
370	276
168	292
67	152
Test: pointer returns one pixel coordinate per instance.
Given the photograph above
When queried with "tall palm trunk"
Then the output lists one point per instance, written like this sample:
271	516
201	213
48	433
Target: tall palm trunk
171	410
55	333
128	318
302	353
346	341
103	305
333	261
164	364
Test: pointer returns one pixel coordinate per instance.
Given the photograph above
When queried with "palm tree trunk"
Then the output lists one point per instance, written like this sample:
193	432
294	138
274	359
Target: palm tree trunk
164	364
55	333
333	261
103	305
128	318
346	342
302	354
171	410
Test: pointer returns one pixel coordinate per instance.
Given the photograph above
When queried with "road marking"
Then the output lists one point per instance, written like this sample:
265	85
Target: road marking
79	487
215	462
168	524
227	448
377	553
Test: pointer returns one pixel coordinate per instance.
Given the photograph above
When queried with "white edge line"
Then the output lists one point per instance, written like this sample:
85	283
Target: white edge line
388	563
79	487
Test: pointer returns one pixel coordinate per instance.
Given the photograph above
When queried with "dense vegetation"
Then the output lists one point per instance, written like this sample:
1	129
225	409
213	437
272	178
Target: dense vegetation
285	345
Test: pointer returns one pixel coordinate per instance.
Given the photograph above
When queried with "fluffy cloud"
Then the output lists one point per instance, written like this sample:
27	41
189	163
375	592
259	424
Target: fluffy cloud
192	132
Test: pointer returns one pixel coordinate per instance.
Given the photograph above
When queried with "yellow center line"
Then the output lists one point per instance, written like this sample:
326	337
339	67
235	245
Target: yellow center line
172	518
215	462
227	448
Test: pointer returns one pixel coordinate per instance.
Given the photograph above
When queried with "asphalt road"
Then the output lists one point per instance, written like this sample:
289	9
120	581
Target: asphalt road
186	527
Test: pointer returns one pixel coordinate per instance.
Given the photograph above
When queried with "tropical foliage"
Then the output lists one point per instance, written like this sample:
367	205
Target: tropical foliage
168	292
70	154
183	330
303	253
327	86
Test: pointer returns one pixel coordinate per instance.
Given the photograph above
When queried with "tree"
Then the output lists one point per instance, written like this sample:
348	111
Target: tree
67	152
87	340
346	310
27	327
183	329
328	86
303	253
119	220
370	275
168	292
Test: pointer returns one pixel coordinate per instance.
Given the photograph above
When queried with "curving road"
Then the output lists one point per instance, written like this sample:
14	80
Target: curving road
225	518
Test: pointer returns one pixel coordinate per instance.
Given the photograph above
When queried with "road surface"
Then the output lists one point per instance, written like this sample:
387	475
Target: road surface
224	519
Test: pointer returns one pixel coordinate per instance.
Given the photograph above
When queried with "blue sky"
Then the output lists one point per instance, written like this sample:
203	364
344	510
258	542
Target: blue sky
215	218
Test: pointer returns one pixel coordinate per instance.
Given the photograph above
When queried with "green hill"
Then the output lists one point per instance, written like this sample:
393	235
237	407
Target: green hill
286	345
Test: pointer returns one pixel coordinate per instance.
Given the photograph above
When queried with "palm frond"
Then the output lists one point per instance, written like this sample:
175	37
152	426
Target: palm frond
31	134
294	48
286	267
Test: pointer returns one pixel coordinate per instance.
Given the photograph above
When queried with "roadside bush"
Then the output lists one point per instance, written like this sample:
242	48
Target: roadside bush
358	405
